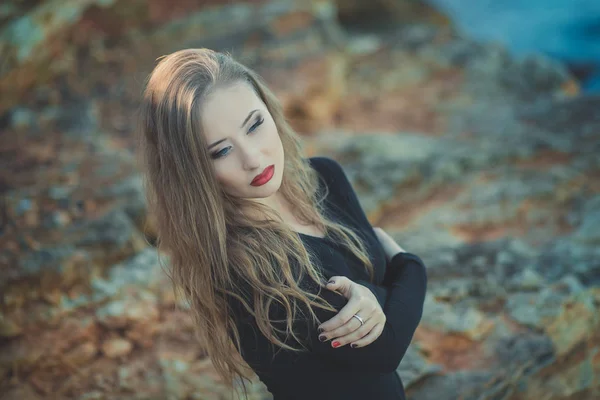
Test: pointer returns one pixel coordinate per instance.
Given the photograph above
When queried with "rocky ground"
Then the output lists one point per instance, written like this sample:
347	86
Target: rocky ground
485	166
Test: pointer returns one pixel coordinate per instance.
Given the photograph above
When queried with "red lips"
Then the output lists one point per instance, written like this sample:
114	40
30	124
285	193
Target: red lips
264	176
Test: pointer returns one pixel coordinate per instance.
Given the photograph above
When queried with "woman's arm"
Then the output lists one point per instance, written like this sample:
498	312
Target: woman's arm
342	328
403	310
380	292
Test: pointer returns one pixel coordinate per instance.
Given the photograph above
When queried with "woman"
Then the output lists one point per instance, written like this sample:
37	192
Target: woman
254	231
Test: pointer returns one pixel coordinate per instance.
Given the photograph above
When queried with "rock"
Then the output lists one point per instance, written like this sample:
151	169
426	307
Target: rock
116	347
447	318
524	348
114	231
522	308
82	354
23	391
95	395
21	354
459	289
22	118
56	220
173	370
575	322
587	233
119	314
414	367
459	384
380	14
142	270
568	256
527	280
139	278
99	22
130	195
537	309
45	272
8	328
566	115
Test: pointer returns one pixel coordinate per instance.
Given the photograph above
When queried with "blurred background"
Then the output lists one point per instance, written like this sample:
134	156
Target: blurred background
469	129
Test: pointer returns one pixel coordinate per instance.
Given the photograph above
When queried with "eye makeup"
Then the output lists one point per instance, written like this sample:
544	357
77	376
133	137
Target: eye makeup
259	121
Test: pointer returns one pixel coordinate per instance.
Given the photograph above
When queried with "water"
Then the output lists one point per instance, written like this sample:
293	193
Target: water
568	30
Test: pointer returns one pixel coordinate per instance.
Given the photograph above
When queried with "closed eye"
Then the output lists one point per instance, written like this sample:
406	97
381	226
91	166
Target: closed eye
257	124
223	153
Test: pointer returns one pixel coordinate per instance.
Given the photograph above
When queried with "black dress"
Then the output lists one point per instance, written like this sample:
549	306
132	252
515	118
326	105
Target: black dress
329	373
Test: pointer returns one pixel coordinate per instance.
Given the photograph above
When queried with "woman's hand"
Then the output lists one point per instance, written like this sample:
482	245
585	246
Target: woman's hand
345	329
389	245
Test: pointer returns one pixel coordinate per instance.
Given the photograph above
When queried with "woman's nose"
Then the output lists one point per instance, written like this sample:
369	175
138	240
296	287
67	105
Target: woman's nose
251	159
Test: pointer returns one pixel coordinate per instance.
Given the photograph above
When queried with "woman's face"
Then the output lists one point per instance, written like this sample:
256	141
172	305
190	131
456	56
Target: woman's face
243	140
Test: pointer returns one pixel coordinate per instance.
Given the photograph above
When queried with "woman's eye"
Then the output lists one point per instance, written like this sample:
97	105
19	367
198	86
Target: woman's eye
219	154
256	124
223	152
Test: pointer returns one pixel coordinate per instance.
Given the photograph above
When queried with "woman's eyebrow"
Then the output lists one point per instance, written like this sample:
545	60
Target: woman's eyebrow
241	126
248	117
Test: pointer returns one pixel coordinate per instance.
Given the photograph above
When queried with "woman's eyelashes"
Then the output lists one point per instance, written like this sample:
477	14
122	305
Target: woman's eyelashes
222	153
258	122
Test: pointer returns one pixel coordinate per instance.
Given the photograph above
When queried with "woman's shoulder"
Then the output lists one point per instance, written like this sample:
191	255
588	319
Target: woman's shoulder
330	169
341	191
325	163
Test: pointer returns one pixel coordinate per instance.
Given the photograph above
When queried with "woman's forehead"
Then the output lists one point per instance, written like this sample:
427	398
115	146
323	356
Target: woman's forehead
224	111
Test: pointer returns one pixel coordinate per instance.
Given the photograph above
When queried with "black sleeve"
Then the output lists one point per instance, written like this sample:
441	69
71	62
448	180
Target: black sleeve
403	310
380	292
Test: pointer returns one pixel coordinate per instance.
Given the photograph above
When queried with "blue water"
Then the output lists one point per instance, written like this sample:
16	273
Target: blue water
568	30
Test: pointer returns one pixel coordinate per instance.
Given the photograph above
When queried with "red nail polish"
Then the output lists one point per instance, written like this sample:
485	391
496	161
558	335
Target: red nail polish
335	344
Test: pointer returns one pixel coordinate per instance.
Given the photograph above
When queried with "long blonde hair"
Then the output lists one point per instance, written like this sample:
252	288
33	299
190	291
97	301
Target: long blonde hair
216	253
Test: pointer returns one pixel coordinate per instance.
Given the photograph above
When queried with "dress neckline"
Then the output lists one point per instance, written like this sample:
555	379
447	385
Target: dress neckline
311	236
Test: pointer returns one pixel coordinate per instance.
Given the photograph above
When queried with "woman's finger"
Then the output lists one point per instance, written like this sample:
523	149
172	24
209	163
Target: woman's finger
340	284
347	323
347	328
355	335
369	338
352	307
343	285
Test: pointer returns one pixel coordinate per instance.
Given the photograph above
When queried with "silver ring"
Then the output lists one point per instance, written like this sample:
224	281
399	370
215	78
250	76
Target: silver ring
359	318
